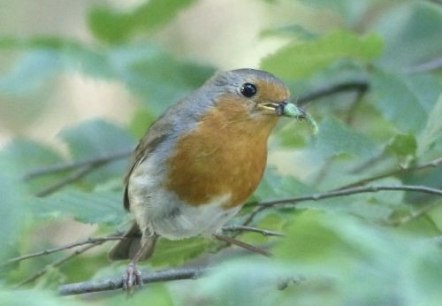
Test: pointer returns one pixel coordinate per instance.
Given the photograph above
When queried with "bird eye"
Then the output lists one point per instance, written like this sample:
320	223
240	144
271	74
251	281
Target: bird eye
248	90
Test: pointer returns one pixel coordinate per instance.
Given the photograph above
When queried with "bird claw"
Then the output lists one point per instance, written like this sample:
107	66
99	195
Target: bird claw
132	277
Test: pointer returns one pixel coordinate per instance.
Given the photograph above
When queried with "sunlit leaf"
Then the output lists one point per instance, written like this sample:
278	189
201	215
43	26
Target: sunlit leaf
303	59
116	26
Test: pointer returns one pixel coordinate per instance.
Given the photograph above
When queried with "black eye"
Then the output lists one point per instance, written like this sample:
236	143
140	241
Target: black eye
248	90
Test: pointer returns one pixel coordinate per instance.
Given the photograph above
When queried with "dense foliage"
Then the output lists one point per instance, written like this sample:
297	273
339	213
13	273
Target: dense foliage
365	226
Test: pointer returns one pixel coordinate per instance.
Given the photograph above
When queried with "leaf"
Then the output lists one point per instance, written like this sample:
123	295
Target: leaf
334	139
404	104
432	132
95	208
12	209
98	138
46	55
115	26
342	249
157	77
151	73
352	11
299	60
412	36
402	145
276	186
177	252
27	155
295	30
33	297
94	138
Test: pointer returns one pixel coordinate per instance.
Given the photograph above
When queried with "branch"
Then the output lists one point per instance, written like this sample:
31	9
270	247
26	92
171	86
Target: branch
359	86
57	263
195	272
117	282
75	176
433	64
82	168
242	228
62	248
431	164
95	161
337	193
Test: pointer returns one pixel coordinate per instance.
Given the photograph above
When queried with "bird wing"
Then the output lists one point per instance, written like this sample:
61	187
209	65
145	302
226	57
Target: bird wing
157	133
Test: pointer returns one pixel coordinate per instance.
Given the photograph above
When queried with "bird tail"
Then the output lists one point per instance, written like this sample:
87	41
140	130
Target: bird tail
130	245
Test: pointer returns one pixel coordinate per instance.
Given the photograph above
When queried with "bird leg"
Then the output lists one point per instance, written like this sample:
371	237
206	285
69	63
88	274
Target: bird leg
243	245
132	277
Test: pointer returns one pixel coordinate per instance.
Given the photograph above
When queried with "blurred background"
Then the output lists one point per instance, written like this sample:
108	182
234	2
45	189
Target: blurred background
81	80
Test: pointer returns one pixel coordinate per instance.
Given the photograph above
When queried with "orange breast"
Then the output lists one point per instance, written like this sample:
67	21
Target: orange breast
225	154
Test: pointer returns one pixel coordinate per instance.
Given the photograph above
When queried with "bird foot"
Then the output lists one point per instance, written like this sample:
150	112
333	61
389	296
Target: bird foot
132	277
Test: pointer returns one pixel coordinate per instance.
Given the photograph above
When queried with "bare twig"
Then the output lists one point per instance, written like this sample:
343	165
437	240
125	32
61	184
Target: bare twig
241	244
242	228
431	164
117	282
336	193
360	86
96	162
433	64
75	176
63	248
413	215
57	263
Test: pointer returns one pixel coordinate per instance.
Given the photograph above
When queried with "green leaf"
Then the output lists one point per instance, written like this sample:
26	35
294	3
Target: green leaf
98	138
27	155
157	77
298	60
402	102
158	294
411	34
47	55
96	208
294	30
34	297
12	201
275	186
177	252
432	132
402	145
334	139
115	26
351	11
150	72
342	249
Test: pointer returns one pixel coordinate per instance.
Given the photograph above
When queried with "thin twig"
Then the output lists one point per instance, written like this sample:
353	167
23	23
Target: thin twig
413	215
360	86
431	164
242	228
75	176
244	245
117	282
96	161
57	263
433	64
336	193
62	248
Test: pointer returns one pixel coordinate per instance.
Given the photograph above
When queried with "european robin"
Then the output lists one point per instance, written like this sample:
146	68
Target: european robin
200	161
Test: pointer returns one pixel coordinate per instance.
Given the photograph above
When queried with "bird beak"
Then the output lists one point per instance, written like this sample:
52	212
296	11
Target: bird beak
283	109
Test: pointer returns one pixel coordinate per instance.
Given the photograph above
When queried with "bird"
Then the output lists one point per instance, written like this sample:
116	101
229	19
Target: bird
200	161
